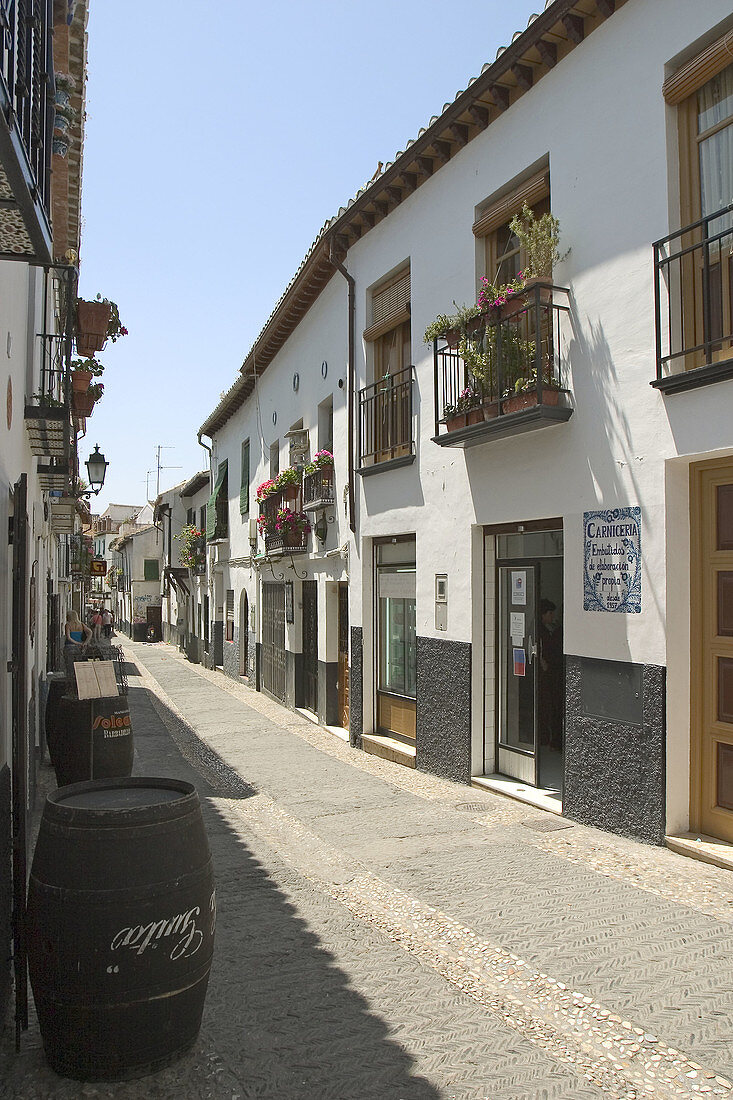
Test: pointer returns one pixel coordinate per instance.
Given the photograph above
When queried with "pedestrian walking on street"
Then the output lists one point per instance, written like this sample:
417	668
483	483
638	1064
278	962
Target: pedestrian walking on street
107	623
76	633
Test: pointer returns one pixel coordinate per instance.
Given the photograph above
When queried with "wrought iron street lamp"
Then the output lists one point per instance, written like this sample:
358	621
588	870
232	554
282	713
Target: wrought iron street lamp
96	466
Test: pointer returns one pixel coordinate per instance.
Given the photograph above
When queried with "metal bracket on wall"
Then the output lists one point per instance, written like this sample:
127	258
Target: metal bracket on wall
276	576
300	576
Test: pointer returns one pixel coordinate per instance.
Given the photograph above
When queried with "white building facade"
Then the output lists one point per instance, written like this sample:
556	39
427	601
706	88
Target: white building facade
538	581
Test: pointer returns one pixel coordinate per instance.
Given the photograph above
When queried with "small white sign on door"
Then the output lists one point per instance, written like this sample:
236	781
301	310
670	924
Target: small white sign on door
519	586
516	625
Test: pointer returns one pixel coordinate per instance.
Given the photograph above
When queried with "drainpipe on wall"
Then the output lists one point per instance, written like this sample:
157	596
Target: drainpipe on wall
206	448
351	371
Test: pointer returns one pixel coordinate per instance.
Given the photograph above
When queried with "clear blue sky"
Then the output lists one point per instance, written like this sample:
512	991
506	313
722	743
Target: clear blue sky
219	139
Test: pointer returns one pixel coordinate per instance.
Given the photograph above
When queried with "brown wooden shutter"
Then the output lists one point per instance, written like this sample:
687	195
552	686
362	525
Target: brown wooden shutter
390	306
499	213
697	72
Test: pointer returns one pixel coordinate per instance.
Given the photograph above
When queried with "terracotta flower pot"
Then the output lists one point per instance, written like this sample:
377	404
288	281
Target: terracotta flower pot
453	338
475	416
83	403
528	399
92	319
453	423
290	492
81	380
490	410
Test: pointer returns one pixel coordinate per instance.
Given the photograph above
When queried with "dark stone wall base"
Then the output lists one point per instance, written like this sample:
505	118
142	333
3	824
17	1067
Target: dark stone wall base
443	697
230	659
356	688
6	890
615	774
217	638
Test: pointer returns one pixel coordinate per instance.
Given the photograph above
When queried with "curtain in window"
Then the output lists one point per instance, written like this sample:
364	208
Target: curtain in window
715	105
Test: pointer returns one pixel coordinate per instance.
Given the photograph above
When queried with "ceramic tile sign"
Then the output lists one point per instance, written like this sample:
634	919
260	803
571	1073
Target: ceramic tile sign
612	555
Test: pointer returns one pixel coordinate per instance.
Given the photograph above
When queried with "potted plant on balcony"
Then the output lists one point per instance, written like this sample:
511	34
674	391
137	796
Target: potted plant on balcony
97	322
60	144
64	85
84	402
266	489
192	554
288	483
540	240
524	393
82	372
467	410
292	526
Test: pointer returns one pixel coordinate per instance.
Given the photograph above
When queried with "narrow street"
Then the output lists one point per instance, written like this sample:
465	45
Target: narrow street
387	935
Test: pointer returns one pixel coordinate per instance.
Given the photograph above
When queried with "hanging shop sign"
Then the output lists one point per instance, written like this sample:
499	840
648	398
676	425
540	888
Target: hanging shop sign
98	567
612	555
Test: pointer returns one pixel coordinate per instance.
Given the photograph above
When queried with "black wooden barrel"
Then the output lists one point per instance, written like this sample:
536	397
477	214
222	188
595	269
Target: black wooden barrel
121	914
92	739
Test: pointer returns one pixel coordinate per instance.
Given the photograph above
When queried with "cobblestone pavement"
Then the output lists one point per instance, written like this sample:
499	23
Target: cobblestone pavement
386	934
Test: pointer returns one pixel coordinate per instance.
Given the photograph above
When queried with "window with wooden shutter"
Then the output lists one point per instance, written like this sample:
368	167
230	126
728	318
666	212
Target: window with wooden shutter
503	257
151	569
390	306
244	481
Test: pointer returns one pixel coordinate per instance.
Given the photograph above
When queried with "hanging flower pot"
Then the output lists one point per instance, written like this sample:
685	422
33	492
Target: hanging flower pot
83	403
61	146
92	321
80	380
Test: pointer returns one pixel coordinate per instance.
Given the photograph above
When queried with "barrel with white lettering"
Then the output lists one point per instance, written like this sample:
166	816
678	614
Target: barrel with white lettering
92	739
121	916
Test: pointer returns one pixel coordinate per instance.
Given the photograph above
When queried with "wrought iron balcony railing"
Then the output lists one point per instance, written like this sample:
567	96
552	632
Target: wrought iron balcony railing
386	431
26	126
286	542
318	489
504	374
693	303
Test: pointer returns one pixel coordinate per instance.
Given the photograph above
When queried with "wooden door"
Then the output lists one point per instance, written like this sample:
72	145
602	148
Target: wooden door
712	649
273	640
343	655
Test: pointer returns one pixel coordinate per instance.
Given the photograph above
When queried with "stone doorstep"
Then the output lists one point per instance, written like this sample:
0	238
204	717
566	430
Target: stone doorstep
521	792
708	849
337	731
389	749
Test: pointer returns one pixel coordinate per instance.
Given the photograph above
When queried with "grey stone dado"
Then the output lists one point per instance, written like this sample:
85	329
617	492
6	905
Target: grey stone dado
356	687
443	718
615	747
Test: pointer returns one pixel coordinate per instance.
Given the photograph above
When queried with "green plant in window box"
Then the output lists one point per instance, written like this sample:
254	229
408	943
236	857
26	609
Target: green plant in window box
47	400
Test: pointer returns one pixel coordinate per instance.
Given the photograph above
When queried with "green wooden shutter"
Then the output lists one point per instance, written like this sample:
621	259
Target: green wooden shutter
151	571
244	485
211	511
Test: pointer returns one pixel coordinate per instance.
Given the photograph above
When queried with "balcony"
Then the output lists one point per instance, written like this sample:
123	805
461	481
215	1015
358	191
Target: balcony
386	432
318	489
26	126
693	303
47	418
506	377
286	542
